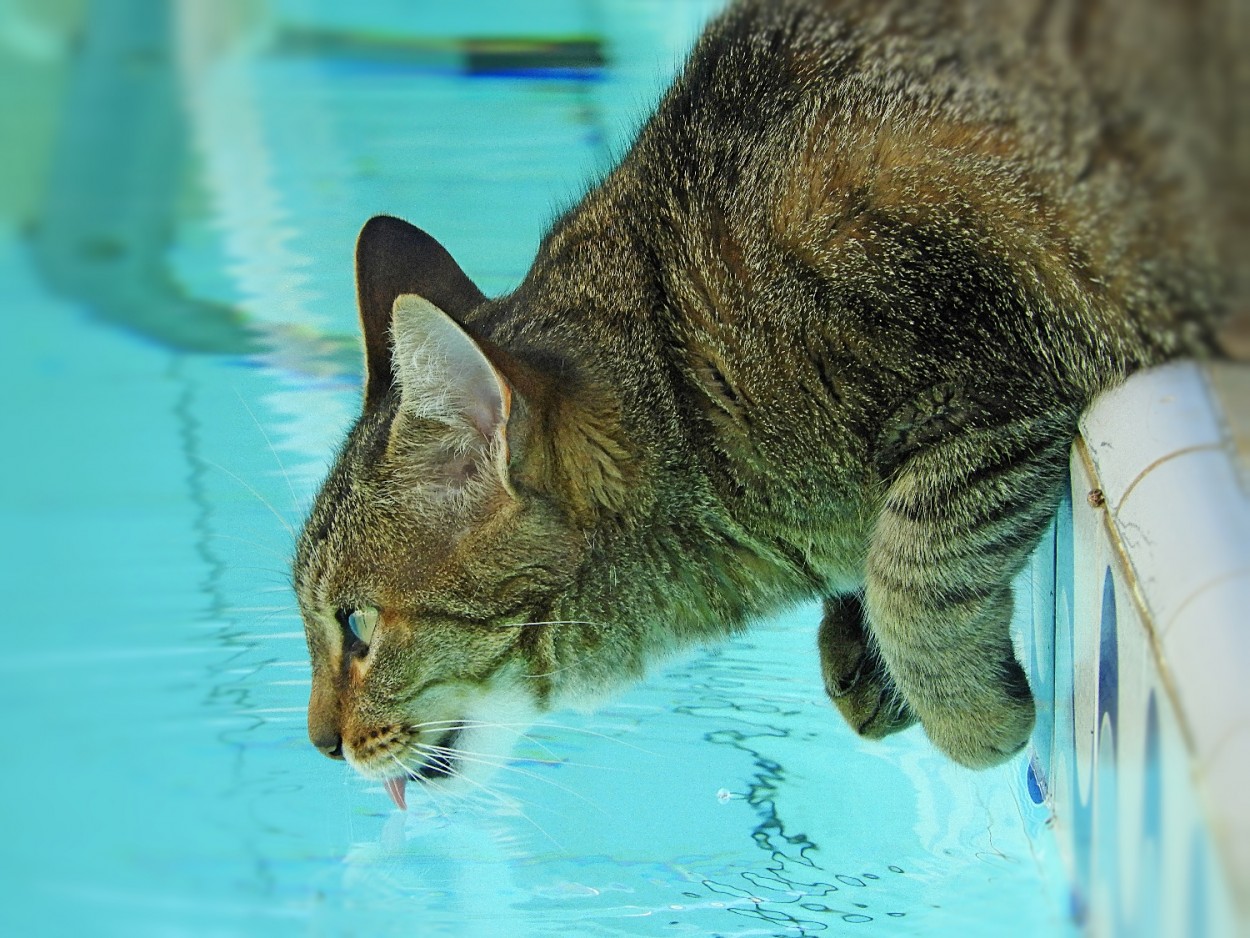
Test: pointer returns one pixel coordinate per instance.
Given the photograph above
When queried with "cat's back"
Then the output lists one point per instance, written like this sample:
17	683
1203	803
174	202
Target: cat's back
1078	141
1156	64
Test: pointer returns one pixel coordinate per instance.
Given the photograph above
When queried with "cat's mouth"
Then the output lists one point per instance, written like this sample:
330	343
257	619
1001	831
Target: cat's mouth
439	762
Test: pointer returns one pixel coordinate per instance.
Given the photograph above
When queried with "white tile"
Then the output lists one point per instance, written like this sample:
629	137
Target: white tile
1155	413
1207	652
1185	526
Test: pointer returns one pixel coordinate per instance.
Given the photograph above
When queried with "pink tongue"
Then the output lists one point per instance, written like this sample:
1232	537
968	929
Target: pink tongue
395	788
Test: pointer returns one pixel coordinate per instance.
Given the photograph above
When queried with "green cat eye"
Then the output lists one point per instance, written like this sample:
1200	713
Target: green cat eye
360	622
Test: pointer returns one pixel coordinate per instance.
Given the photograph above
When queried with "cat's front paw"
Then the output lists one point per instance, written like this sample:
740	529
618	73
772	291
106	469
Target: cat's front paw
989	729
855	678
871	705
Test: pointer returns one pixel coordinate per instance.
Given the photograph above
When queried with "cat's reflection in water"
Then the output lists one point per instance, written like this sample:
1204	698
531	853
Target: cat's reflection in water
464	859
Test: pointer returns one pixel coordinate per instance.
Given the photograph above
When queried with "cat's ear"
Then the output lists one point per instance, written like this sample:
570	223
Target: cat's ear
394	258
444	375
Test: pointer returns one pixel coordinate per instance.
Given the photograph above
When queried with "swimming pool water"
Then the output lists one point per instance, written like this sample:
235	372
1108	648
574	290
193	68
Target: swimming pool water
181	369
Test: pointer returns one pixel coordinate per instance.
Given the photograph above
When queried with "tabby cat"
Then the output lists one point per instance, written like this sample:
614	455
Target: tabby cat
825	331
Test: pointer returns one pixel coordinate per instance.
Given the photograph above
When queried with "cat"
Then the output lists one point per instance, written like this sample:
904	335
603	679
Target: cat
824	332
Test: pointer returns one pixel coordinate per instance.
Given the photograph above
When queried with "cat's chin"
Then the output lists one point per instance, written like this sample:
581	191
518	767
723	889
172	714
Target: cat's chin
465	757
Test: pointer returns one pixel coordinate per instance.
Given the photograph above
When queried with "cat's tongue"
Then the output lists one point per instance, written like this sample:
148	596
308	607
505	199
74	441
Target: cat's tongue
395	788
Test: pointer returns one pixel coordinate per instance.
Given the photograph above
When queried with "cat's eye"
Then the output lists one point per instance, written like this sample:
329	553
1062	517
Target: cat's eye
359	622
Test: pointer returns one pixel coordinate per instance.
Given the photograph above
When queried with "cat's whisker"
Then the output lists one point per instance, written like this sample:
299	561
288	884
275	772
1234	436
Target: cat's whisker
546	725
254	568
284	587
513	789
523	773
261	617
521	625
295	505
262	610
541	745
509	761
597	735
266	618
290	529
489	725
492	724
282	555
515	805
428	790
502	800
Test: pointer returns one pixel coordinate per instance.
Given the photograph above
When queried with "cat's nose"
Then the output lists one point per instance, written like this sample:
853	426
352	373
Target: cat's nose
330	745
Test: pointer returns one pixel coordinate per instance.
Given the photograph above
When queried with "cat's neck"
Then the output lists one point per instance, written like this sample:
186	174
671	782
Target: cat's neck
608	432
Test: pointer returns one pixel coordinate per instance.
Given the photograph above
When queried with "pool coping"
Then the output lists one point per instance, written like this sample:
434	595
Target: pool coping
1161	501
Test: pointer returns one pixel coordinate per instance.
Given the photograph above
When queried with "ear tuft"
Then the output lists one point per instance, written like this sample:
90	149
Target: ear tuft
442	373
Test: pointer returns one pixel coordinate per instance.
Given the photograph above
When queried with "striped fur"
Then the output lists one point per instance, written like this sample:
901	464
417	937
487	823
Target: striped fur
824	333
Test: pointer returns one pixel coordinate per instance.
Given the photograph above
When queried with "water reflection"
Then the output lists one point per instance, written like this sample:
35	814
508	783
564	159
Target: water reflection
114	185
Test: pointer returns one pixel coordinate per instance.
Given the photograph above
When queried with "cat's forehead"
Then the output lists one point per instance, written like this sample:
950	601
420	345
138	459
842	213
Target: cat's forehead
363	523
370	550
371	517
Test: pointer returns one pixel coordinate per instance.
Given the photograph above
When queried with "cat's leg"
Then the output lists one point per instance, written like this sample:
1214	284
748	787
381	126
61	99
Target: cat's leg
854	674
958	521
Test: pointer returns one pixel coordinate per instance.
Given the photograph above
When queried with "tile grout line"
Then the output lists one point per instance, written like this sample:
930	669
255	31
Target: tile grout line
1167	457
1144	612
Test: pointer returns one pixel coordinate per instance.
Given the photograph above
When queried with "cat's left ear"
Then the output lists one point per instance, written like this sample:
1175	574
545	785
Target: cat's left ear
444	375
394	258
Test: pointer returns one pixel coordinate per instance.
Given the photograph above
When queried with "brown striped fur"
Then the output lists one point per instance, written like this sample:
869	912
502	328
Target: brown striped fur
824	332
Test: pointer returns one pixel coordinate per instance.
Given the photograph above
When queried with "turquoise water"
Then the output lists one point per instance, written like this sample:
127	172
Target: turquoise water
176	279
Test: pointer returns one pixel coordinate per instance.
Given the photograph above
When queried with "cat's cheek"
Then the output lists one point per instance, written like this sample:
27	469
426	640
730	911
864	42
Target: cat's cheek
495	721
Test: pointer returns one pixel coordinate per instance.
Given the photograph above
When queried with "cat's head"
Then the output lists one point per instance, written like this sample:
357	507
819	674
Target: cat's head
436	554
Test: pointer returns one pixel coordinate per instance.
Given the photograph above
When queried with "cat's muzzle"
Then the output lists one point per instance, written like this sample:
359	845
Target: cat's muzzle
439	762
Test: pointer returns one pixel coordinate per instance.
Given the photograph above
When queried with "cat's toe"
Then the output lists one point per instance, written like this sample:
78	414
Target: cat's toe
875	711
855	677
867	699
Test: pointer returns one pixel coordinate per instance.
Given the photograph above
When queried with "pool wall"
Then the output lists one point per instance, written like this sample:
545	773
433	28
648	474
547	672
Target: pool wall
1138	657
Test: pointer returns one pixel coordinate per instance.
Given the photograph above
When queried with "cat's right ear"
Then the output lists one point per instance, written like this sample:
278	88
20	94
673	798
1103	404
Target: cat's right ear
445	376
394	258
